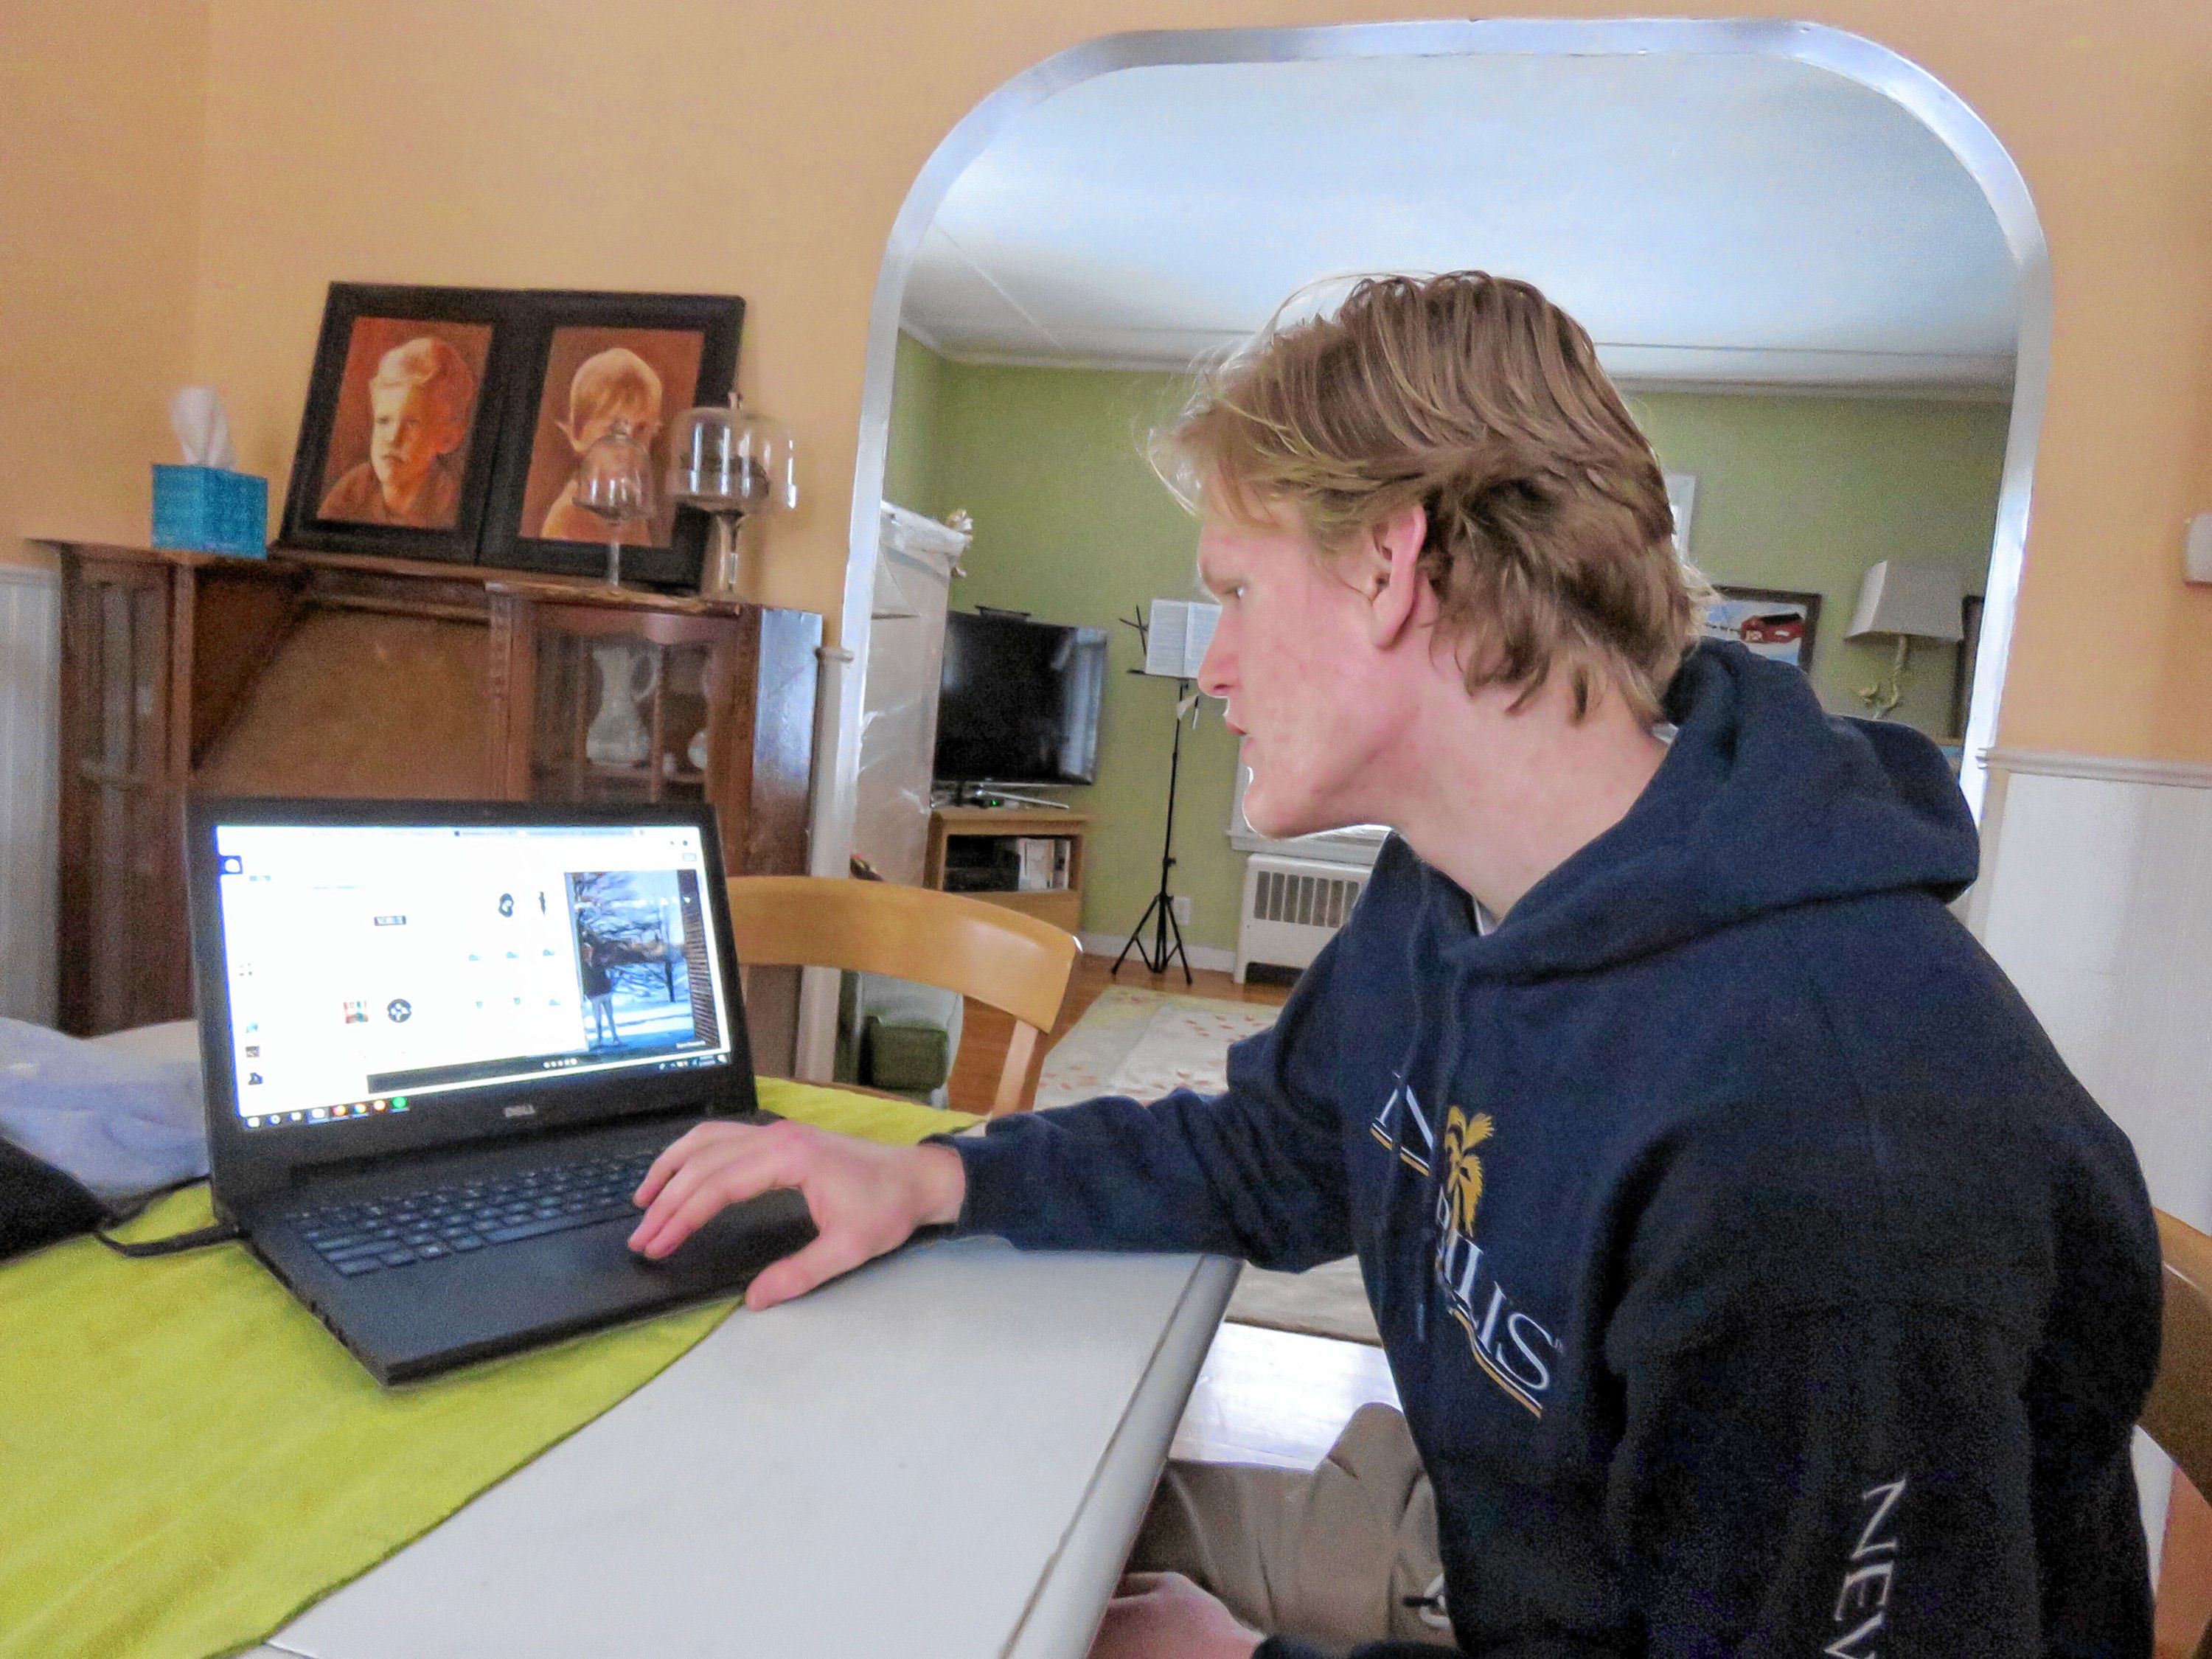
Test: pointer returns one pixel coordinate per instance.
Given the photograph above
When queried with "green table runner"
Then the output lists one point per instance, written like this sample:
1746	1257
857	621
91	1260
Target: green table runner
187	1459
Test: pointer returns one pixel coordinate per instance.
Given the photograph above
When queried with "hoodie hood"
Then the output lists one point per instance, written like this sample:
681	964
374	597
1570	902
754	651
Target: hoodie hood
1765	801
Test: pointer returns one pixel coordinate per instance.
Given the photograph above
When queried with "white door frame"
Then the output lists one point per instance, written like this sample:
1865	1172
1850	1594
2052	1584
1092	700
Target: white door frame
1852	57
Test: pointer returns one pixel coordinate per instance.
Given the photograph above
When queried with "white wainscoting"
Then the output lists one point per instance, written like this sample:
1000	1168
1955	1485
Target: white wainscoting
2096	898
30	653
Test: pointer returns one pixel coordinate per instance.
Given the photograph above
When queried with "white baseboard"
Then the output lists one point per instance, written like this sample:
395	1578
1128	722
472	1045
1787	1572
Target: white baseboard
1211	957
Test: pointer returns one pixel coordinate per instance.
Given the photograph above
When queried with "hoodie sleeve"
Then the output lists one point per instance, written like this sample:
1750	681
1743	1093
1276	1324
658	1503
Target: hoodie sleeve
1257	1171
1853	1482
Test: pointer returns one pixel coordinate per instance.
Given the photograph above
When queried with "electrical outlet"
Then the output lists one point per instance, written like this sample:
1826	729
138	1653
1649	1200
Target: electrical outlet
1183	909
2197	558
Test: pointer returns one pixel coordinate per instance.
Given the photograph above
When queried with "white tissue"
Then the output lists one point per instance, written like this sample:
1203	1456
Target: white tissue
196	415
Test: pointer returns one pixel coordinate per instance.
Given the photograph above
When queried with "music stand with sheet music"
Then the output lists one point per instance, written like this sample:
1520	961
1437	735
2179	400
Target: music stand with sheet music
1174	638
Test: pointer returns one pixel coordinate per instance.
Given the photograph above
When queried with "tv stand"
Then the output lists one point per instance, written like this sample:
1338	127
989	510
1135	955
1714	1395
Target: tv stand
982	794
1061	906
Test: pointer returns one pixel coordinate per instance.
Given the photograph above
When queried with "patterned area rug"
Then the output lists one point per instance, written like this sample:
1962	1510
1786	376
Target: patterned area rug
1147	1044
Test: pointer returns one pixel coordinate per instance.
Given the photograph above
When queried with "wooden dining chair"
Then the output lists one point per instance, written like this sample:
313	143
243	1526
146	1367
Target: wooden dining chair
1013	962
2178	1413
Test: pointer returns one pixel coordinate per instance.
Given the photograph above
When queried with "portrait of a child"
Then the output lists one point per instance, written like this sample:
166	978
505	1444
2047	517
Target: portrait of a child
596	379
421	400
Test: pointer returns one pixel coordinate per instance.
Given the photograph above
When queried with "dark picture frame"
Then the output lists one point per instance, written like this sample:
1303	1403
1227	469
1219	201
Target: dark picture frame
1962	671
401	345
574	352
1772	622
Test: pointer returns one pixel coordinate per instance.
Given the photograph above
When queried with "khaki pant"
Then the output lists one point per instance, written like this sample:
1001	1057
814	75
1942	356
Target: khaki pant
1345	1554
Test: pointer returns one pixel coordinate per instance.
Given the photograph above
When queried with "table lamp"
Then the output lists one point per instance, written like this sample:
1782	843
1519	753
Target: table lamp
1910	602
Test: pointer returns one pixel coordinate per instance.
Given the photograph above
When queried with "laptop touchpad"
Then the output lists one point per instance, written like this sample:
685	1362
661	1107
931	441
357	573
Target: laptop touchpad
739	1240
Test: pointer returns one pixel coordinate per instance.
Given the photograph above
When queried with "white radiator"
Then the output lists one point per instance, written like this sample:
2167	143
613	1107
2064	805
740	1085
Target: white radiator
1292	908
30	689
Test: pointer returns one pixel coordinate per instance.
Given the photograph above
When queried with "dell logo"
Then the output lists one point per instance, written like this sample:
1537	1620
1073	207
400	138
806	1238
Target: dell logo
521	1111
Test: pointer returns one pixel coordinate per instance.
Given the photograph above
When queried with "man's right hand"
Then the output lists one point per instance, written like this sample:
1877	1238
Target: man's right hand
865	1197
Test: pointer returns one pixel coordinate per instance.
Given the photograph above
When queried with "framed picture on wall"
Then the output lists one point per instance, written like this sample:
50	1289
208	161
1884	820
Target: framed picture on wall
583	363
1771	621
400	439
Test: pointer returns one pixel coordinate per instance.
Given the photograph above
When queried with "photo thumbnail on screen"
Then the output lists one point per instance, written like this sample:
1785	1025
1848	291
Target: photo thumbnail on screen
641	960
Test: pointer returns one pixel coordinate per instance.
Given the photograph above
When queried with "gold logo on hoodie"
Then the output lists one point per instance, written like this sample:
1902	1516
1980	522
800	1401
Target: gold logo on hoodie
1512	1348
1462	1169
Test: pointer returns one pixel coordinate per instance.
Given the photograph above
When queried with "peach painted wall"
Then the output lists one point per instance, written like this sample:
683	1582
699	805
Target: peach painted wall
99	168
765	147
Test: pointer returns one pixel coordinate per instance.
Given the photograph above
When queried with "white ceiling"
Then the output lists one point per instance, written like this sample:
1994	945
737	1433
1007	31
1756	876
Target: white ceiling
1740	220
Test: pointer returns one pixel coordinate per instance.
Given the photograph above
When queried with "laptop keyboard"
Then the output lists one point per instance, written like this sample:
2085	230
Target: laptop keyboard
369	1235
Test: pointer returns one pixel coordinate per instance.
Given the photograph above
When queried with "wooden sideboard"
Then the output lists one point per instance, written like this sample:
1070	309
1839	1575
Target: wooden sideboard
346	675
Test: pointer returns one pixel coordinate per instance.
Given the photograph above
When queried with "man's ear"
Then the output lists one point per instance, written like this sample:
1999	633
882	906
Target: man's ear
1389	573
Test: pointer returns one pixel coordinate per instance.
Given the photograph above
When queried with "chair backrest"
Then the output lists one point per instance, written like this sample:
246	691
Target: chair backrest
1011	961
2178	1413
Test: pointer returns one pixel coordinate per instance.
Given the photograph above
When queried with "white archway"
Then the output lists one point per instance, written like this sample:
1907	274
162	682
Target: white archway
1852	57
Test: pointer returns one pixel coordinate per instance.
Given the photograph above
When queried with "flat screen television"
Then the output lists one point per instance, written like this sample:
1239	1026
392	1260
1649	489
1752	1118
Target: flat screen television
1018	702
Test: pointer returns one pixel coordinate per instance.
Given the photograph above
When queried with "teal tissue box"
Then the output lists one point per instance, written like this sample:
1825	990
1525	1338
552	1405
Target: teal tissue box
204	510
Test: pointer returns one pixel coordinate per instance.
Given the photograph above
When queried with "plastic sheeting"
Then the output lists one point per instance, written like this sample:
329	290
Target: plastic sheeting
916	560
122	1119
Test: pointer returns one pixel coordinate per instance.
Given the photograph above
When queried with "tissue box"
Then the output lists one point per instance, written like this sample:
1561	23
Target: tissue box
204	510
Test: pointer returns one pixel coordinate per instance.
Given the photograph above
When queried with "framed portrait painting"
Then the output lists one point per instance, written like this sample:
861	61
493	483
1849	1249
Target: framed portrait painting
1770	622
583	364
399	440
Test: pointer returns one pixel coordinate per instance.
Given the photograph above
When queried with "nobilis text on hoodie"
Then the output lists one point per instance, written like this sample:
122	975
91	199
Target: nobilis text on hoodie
1755	1277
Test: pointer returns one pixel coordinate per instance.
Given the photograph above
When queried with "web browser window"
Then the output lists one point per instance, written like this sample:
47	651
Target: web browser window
373	969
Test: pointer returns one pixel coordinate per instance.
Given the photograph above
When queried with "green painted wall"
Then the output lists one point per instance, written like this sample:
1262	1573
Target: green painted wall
1804	493
1793	492
1072	526
910	463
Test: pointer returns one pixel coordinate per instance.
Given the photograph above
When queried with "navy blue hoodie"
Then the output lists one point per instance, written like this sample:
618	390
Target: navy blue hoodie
1755	1276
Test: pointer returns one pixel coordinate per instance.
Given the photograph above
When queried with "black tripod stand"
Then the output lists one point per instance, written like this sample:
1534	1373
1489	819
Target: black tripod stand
1160	912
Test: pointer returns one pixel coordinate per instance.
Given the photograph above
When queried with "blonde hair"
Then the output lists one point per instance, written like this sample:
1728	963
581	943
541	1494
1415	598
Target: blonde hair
610	381
443	372
1550	542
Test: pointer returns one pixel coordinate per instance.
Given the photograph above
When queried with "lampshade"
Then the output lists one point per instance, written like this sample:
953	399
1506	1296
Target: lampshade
1908	599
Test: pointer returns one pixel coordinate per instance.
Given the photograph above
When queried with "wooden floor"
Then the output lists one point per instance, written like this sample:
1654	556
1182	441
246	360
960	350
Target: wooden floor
1277	1397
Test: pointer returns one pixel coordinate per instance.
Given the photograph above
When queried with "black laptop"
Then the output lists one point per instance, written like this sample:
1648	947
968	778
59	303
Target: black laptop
443	1041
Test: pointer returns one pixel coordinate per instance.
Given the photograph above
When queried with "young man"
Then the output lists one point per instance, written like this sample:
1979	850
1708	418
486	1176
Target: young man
1755	1277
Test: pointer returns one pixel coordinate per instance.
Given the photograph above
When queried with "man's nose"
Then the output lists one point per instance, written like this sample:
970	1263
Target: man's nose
1217	675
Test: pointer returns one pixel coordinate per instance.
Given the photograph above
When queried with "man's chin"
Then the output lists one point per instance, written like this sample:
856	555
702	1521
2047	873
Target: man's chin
1276	823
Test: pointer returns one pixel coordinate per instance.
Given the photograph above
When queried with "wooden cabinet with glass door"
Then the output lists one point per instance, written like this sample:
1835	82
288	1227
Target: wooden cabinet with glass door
609	701
325	674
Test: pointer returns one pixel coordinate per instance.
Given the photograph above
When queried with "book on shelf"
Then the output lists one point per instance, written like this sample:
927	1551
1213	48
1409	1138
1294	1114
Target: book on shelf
1044	863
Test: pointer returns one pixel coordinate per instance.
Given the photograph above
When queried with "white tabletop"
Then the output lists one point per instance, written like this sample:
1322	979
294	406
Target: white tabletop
946	1453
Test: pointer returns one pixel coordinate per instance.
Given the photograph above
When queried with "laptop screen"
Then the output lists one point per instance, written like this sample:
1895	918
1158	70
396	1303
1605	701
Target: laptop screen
376	969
